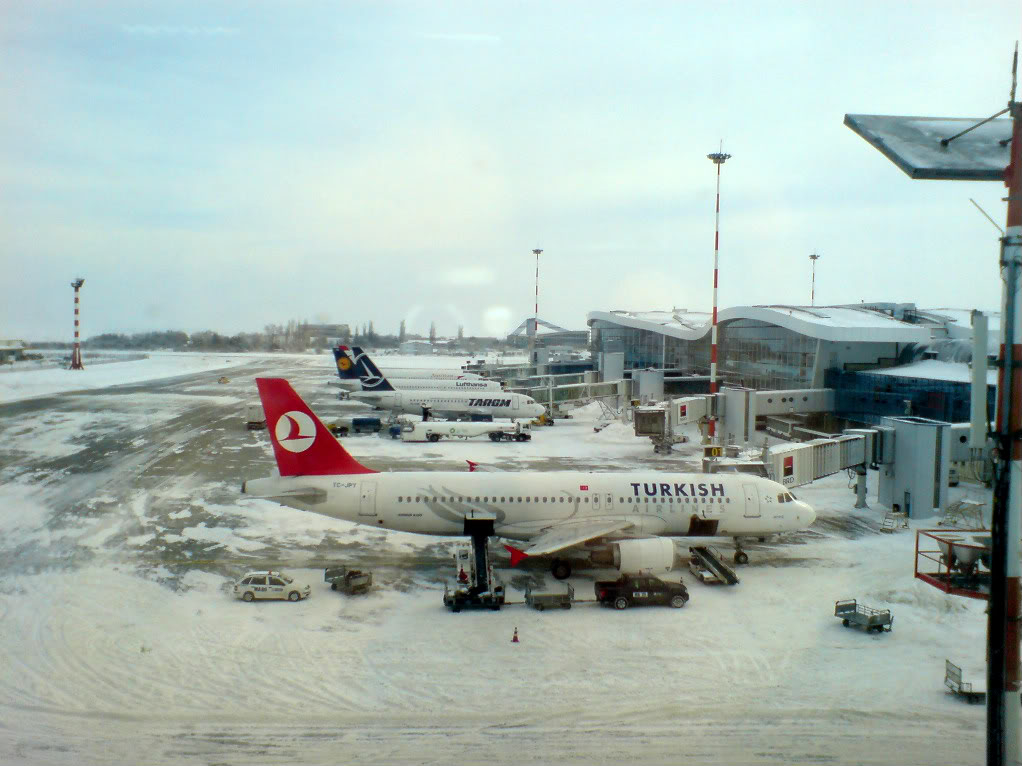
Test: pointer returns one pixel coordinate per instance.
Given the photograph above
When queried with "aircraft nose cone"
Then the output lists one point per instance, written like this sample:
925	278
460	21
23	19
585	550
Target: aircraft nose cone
810	513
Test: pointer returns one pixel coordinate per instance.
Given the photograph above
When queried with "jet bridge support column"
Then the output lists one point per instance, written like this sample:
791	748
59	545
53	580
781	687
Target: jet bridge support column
860	486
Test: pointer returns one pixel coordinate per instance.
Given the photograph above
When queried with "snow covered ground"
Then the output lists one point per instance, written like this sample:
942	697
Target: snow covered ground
121	529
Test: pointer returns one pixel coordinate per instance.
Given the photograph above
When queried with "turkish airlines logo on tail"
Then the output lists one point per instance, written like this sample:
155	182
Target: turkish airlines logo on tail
295	431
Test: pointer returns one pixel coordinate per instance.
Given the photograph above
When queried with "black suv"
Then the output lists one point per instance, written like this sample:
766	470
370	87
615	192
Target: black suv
632	590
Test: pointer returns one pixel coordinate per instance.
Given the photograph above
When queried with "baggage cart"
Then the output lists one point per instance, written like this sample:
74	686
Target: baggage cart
549	600
851	613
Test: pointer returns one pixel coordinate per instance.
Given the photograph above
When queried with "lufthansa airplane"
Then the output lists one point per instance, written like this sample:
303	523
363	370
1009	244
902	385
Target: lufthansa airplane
350	379
623	516
358	372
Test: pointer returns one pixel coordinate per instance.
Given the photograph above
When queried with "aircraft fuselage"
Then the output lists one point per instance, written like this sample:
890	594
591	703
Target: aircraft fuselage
522	505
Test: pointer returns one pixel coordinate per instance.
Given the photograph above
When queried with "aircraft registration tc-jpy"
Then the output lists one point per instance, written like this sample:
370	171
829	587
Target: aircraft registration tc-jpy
628	514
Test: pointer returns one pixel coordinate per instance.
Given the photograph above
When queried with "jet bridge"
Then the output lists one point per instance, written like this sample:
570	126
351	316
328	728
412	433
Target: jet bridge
736	410
794	465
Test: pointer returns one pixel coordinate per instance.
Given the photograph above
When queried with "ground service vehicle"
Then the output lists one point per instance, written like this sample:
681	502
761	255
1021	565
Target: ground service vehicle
434	431
255	418
270	584
348	581
640	590
355	425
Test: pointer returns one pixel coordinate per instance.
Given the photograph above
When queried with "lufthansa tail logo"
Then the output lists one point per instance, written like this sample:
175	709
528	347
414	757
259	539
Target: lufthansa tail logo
343	364
295	431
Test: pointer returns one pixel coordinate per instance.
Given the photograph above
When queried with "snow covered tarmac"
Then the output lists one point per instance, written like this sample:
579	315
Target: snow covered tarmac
122	524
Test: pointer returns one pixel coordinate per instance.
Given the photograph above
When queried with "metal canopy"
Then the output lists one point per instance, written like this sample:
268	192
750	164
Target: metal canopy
914	145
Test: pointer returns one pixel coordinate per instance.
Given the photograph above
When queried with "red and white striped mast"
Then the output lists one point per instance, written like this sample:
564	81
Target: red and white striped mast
76	353
535	316
718	159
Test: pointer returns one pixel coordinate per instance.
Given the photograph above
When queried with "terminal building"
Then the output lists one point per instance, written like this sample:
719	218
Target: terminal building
882	359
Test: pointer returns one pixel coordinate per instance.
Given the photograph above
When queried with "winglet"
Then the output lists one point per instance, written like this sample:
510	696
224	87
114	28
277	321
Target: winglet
516	555
471	466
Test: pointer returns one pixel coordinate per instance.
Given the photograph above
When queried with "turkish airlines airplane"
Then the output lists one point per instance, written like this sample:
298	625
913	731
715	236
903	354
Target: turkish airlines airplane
361	373
623	517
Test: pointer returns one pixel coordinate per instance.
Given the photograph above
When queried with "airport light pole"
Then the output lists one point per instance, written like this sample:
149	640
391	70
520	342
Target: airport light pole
535	316
812	292
718	158
76	353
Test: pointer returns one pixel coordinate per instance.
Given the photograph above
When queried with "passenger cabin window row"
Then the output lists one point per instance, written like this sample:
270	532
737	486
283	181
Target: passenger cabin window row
622	500
486	499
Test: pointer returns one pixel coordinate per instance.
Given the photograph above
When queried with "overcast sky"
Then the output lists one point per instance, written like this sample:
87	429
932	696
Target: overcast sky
223	165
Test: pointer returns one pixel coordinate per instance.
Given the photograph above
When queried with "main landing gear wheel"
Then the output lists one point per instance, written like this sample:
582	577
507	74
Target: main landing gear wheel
741	557
560	569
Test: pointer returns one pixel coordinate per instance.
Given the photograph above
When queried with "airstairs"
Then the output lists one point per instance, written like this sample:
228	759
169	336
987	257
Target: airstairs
707	565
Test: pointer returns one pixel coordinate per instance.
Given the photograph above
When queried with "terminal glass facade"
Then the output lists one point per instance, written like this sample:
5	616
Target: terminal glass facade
764	356
869	397
646	348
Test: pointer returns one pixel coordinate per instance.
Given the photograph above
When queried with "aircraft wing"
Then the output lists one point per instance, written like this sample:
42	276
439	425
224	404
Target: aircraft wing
561	536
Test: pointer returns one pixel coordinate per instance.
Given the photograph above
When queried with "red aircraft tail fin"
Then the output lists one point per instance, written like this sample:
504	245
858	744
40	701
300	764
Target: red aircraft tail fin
301	443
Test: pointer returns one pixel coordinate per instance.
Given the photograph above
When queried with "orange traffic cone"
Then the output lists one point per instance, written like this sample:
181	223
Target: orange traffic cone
514	638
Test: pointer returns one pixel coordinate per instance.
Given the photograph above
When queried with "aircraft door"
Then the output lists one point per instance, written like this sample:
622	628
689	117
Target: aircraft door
367	502
751	501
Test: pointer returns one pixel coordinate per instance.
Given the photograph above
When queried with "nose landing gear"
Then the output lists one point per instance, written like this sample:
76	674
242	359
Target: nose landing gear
741	557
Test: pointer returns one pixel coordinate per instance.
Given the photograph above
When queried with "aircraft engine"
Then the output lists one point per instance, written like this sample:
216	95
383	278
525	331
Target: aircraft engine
649	556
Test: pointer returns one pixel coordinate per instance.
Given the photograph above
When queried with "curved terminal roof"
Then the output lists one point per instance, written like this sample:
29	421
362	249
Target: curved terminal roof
862	324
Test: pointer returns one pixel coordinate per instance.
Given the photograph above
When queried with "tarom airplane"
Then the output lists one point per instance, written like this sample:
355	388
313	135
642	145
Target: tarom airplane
360	371
620	518
350	379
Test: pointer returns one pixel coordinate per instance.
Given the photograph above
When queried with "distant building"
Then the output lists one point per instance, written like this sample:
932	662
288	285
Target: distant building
790	347
12	350
328	334
416	347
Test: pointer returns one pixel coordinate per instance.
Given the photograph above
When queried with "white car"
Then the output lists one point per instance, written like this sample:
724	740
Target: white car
270	584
